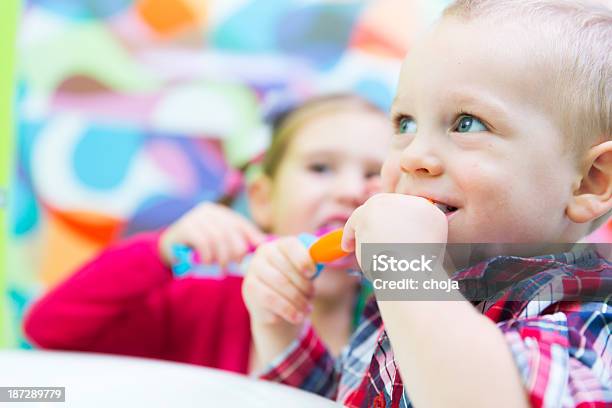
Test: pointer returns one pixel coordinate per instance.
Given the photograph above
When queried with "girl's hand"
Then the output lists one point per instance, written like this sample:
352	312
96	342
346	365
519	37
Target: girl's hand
277	288
217	233
394	218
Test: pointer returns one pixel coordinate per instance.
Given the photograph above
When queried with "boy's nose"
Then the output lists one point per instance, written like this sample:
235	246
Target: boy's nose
419	159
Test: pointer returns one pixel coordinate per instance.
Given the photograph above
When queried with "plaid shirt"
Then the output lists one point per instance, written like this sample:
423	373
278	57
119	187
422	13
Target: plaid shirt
563	349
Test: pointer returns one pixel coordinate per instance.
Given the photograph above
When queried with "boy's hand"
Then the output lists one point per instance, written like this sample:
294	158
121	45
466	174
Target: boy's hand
394	218
277	288
278	293
217	233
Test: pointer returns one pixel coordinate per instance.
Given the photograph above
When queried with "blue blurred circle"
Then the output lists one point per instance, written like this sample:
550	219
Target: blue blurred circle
319	33
103	155
84	9
376	92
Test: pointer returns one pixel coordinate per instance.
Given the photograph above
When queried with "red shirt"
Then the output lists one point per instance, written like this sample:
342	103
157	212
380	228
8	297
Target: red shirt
126	301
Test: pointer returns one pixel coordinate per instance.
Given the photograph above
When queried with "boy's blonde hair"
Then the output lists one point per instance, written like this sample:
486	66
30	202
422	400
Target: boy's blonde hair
577	60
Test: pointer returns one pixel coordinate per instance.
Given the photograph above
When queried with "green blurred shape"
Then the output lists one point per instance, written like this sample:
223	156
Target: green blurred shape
8	22
86	49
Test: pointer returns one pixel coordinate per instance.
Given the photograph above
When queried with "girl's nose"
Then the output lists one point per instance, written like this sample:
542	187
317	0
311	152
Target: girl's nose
351	187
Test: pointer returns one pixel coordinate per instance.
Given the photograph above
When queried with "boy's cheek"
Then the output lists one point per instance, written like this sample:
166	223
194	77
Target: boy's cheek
481	183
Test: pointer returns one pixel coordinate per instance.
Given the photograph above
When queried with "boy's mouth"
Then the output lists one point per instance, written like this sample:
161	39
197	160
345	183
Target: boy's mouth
445	208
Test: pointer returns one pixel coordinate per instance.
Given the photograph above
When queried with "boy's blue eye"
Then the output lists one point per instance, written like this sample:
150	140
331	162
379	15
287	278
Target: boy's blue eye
407	125
468	123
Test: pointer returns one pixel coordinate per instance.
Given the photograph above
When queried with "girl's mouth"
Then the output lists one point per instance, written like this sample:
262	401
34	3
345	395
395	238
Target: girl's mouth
331	224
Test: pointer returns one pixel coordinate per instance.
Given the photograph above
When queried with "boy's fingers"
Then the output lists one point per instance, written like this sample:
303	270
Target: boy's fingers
276	304
282	264
298	256
348	234
280	284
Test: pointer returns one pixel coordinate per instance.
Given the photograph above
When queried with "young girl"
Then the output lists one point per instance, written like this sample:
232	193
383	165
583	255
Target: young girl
324	162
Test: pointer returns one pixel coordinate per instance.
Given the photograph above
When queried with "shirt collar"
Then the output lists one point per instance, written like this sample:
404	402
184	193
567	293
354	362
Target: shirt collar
579	256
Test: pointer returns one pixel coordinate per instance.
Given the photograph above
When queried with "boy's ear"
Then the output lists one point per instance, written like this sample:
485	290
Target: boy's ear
259	194
593	191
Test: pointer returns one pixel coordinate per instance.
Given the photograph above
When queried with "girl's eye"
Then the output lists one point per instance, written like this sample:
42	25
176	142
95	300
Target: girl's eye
319	168
407	125
372	174
468	123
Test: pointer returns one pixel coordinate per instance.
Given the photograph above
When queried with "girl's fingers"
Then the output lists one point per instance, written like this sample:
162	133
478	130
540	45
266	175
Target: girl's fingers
220	250
194	238
253	235
225	237
201	241
165	246
236	244
212	240
233	233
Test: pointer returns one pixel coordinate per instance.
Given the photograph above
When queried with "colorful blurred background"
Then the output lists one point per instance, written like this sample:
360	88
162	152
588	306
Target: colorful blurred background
129	112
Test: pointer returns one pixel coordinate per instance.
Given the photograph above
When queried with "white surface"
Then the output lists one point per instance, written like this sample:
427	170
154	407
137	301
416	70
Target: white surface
100	380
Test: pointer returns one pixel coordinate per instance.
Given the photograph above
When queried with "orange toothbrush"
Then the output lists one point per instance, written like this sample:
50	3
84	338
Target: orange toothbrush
327	247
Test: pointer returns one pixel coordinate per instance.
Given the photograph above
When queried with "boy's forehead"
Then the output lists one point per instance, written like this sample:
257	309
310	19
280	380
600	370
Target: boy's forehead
457	54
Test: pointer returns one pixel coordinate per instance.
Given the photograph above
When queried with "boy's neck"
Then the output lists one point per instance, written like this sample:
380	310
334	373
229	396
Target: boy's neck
463	256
